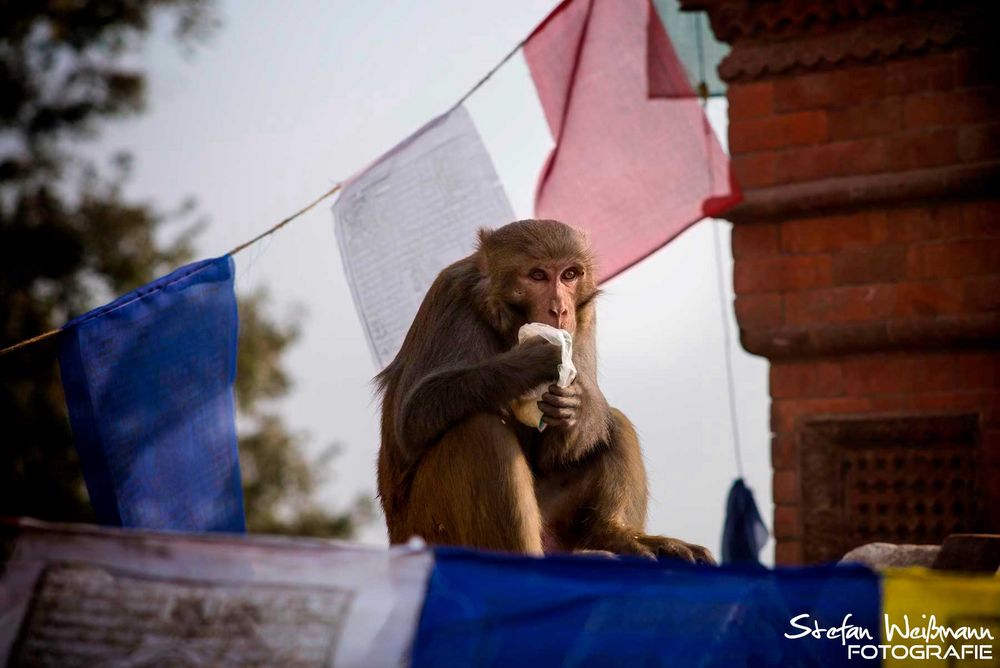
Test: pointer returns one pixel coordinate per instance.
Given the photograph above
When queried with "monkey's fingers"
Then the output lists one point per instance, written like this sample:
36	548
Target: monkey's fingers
677	549
561	401
571	390
561	425
555	412
702	555
538	361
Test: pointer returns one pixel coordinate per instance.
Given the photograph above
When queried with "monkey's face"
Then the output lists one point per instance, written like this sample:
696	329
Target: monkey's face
549	291
536	271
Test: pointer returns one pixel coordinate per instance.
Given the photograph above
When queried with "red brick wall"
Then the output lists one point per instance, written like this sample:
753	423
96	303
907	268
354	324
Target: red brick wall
879	383
870	265
887	264
928	111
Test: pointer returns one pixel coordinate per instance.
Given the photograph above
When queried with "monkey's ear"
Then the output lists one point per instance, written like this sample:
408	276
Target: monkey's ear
484	234
589	298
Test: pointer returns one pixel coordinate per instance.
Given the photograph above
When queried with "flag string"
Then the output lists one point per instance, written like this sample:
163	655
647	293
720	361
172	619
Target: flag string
727	343
486	77
285	221
246	244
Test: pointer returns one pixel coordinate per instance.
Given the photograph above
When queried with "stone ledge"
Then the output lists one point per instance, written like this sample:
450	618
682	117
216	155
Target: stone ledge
871	41
970	552
852	192
891	555
980	330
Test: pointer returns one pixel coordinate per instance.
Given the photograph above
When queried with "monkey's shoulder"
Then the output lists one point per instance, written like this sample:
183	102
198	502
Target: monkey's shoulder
448	328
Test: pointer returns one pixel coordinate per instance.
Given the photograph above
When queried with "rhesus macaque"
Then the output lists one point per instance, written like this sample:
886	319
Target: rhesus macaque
455	468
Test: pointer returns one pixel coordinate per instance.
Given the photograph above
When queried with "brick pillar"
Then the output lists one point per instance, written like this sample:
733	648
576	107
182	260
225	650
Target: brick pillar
867	260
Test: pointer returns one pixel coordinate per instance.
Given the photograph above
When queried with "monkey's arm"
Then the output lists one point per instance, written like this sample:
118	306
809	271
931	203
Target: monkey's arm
447	395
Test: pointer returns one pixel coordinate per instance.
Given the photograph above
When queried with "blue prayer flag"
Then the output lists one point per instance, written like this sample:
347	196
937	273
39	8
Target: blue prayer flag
148	380
744	533
500	610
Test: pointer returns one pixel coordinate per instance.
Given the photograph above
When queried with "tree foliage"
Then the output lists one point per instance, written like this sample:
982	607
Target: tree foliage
70	240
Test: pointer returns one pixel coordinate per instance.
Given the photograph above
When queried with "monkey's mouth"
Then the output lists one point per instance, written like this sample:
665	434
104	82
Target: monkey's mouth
567	323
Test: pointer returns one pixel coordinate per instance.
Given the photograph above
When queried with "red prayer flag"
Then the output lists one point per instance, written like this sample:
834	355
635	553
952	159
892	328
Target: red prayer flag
632	169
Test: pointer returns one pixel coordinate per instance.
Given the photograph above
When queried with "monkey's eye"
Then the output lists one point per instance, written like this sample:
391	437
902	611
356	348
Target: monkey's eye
537	275
571	274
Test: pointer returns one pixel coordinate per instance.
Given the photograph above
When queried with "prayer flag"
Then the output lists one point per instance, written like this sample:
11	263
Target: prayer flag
499	610
148	380
743	533
408	216
634	170
917	600
692	39
71	593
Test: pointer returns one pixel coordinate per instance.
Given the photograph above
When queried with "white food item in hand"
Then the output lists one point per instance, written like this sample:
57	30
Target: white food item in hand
525	409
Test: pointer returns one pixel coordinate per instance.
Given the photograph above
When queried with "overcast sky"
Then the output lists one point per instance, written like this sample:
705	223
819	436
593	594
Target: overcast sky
290	97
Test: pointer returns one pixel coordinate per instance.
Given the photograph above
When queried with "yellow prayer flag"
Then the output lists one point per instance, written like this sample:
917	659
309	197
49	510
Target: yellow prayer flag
933	618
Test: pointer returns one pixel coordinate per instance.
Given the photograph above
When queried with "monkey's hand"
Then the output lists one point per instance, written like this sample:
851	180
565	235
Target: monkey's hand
561	406
534	362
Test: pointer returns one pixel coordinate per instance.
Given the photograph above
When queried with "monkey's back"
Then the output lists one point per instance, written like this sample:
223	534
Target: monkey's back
448	313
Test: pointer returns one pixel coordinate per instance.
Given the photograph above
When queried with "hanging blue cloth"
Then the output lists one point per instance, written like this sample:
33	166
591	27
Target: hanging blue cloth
486	609
744	533
148	380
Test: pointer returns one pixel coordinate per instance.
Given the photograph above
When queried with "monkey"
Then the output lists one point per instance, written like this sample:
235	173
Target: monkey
456	468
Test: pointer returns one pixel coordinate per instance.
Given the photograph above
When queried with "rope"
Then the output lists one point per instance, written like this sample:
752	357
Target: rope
52	332
287	220
488	75
728	343
28	342
734	422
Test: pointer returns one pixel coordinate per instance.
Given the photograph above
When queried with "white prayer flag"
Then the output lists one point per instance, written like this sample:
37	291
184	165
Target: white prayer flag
73	594
410	215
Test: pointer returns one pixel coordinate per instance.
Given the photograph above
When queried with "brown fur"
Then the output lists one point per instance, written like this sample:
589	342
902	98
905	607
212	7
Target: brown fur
454	468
